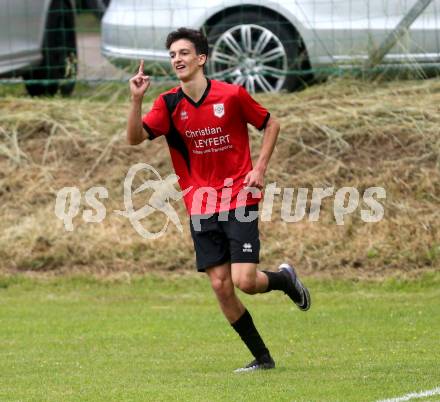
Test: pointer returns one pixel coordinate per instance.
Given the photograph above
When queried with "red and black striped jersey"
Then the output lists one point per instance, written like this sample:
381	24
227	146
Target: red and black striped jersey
209	143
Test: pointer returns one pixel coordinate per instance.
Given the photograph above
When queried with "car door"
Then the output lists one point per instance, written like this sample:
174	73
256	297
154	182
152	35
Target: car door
21	29
421	41
425	34
349	29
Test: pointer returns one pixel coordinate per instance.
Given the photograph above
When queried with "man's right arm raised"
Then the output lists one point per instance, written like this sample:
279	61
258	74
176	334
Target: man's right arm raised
138	86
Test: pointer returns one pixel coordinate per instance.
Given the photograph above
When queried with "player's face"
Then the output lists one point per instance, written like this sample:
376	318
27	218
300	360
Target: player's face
185	61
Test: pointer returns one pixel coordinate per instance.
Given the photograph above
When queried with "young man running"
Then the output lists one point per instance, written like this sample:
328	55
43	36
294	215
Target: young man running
205	124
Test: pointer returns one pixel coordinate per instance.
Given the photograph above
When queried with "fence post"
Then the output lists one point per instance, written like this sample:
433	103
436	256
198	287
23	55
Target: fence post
377	55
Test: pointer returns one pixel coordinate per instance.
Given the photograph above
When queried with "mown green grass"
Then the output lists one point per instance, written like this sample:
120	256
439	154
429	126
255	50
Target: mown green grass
164	339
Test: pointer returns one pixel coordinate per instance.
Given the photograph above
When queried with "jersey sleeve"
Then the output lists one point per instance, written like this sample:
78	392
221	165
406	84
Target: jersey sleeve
252	111
157	122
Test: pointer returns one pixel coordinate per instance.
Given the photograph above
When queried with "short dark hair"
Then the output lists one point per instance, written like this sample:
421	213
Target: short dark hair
197	37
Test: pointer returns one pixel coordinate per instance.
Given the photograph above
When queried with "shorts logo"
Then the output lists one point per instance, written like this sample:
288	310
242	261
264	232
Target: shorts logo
247	248
219	109
183	115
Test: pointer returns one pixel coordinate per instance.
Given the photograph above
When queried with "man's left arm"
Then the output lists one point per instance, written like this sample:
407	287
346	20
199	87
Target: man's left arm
255	178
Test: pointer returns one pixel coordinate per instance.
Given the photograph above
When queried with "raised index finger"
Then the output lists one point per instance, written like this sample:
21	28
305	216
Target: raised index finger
141	67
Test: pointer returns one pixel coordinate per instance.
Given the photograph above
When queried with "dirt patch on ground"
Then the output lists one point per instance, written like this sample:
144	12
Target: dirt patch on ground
343	133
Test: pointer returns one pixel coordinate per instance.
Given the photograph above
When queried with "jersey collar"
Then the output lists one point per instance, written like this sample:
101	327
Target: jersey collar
205	94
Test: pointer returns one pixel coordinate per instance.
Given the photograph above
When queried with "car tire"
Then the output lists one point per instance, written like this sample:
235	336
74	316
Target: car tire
98	7
250	70
59	64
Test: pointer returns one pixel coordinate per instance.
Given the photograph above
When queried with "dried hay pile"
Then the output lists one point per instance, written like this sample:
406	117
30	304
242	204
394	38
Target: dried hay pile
343	133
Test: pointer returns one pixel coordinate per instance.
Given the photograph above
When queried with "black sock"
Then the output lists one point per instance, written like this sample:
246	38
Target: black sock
277	281
249	335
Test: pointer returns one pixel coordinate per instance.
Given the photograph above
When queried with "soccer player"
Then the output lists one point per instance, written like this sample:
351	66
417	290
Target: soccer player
205	125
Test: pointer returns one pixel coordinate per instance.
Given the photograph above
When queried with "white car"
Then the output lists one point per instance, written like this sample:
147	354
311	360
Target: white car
272	45
37	42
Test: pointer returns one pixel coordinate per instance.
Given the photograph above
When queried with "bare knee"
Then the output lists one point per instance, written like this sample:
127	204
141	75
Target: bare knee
245	284
222	286
244	276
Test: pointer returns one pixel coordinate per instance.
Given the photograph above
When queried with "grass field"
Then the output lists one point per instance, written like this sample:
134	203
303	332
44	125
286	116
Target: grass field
161	338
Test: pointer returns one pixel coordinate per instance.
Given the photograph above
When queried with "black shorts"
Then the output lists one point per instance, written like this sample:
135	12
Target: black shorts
223	238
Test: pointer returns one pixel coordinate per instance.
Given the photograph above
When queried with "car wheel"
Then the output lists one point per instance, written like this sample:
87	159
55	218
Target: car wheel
59	64
98	7
256	51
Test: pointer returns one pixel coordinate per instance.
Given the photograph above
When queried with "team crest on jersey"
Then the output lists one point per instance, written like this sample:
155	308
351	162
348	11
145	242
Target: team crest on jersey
219	109
183	115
